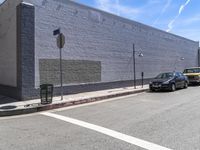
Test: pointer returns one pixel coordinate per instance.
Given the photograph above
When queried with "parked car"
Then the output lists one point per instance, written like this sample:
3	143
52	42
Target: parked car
193	75
169	81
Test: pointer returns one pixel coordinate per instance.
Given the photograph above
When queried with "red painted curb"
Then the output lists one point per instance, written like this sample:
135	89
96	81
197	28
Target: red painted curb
64	104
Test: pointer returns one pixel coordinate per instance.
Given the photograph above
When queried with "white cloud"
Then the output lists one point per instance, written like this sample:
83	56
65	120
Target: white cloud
171	23
166	6
163	10
114	6
182	7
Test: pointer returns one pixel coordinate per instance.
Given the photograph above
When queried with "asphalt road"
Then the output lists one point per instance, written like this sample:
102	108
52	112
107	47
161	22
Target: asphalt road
166	119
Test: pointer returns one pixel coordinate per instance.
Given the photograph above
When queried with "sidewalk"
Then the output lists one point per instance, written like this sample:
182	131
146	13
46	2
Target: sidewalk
9	107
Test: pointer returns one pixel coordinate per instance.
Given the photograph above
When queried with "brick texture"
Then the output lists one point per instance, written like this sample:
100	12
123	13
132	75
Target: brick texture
94	35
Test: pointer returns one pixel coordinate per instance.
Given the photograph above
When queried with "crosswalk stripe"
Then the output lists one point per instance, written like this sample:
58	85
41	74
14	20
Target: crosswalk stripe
112	133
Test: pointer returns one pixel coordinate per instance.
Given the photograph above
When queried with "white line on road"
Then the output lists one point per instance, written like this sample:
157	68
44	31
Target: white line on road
112	133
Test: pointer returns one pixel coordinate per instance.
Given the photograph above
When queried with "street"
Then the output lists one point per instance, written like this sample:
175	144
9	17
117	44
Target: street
149	120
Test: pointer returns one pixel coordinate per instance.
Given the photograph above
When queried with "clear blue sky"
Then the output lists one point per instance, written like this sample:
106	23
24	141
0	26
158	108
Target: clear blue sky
181	17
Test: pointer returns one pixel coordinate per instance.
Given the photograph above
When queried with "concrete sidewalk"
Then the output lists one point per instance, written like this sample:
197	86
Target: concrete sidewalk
9	107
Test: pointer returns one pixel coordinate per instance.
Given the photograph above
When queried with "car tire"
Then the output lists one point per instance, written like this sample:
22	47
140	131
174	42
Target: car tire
173	87
186	85
152	90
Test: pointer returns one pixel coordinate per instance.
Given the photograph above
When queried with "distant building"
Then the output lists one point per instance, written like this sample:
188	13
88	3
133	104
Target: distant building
98	53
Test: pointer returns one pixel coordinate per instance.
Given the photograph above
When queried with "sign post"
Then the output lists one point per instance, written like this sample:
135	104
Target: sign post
60	44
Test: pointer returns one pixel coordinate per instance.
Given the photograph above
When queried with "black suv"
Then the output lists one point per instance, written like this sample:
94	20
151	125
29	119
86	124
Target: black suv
169	81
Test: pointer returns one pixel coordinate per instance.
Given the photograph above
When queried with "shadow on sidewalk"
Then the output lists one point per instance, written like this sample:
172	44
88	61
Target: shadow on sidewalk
8	107
6	100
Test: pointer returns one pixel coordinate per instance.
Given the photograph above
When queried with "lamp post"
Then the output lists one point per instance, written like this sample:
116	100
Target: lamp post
140	54
177	60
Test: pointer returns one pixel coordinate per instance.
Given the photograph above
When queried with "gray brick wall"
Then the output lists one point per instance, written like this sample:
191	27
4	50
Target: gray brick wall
94	35
26	51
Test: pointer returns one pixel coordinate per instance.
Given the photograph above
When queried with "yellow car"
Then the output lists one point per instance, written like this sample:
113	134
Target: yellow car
193	75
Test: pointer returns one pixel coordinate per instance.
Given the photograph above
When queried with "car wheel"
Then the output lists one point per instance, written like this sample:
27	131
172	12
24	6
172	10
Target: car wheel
173	87
186	85
152	90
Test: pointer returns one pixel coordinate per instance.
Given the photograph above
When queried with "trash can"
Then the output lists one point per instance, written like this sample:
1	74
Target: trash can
46	93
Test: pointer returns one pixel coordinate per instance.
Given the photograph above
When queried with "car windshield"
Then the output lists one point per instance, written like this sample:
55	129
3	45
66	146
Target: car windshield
165	75
193	70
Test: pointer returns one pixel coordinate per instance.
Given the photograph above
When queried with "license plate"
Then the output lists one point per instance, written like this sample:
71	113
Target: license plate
156	86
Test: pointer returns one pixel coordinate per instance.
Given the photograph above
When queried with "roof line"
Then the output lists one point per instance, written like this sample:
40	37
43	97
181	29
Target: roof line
124	19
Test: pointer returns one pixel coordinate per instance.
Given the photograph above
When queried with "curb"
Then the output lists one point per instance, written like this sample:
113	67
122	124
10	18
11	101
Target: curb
64	104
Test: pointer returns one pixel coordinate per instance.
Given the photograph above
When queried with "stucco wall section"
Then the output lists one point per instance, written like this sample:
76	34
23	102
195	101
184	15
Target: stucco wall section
74	71
8	58
94	35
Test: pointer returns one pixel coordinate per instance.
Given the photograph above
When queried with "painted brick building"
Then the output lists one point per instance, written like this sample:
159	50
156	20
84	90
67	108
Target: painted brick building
98	53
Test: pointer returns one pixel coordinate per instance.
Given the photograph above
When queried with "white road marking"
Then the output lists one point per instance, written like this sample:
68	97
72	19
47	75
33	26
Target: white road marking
112	133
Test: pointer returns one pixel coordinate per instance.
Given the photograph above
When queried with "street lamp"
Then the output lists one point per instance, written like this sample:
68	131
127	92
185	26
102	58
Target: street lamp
140	54
177	60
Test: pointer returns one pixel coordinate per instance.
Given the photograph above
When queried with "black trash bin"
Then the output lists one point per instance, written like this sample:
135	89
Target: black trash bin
46	93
